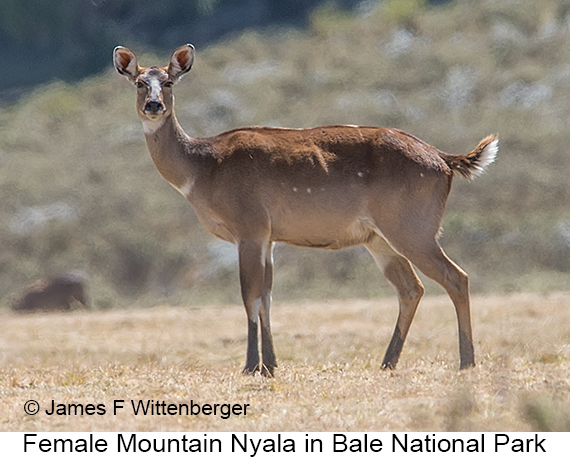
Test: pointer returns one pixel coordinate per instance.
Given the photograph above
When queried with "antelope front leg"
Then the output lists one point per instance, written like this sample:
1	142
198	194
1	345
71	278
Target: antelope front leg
267	351
252	279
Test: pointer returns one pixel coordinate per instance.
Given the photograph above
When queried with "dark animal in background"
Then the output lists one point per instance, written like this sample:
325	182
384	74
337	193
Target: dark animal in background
62	292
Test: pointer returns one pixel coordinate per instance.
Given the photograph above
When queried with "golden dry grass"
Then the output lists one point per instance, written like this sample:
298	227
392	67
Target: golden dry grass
329	378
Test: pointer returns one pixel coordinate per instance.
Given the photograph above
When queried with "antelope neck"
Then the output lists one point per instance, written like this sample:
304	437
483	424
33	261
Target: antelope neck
172	150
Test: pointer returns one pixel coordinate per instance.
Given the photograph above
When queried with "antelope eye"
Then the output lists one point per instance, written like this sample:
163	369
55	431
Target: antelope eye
168	84
140	84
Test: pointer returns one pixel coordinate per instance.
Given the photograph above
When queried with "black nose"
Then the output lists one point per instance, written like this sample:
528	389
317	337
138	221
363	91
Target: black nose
153	106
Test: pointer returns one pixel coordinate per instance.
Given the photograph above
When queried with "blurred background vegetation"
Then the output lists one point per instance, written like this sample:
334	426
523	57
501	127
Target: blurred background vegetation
79	190
70	39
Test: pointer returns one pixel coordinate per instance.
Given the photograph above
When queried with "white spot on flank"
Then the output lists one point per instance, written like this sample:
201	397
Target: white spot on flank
294	189
360	174
309	191
422	175
150	127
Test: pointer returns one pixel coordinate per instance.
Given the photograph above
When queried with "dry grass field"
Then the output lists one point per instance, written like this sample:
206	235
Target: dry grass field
329	378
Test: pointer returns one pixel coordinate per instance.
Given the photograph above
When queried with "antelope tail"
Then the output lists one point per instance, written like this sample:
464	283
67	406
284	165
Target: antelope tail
474	163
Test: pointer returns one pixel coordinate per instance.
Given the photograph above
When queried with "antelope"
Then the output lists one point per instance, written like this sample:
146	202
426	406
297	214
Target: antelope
325	187
63	292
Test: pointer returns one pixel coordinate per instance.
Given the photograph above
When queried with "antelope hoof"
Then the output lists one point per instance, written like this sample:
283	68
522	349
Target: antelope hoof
250	371
466	365
268	372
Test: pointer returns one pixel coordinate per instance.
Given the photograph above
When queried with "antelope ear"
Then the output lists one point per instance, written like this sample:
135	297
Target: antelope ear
181	61
126	63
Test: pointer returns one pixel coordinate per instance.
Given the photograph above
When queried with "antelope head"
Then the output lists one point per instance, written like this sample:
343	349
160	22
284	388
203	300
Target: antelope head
155	101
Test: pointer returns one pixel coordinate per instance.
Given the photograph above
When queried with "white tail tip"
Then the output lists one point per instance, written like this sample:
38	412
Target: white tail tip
486	158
